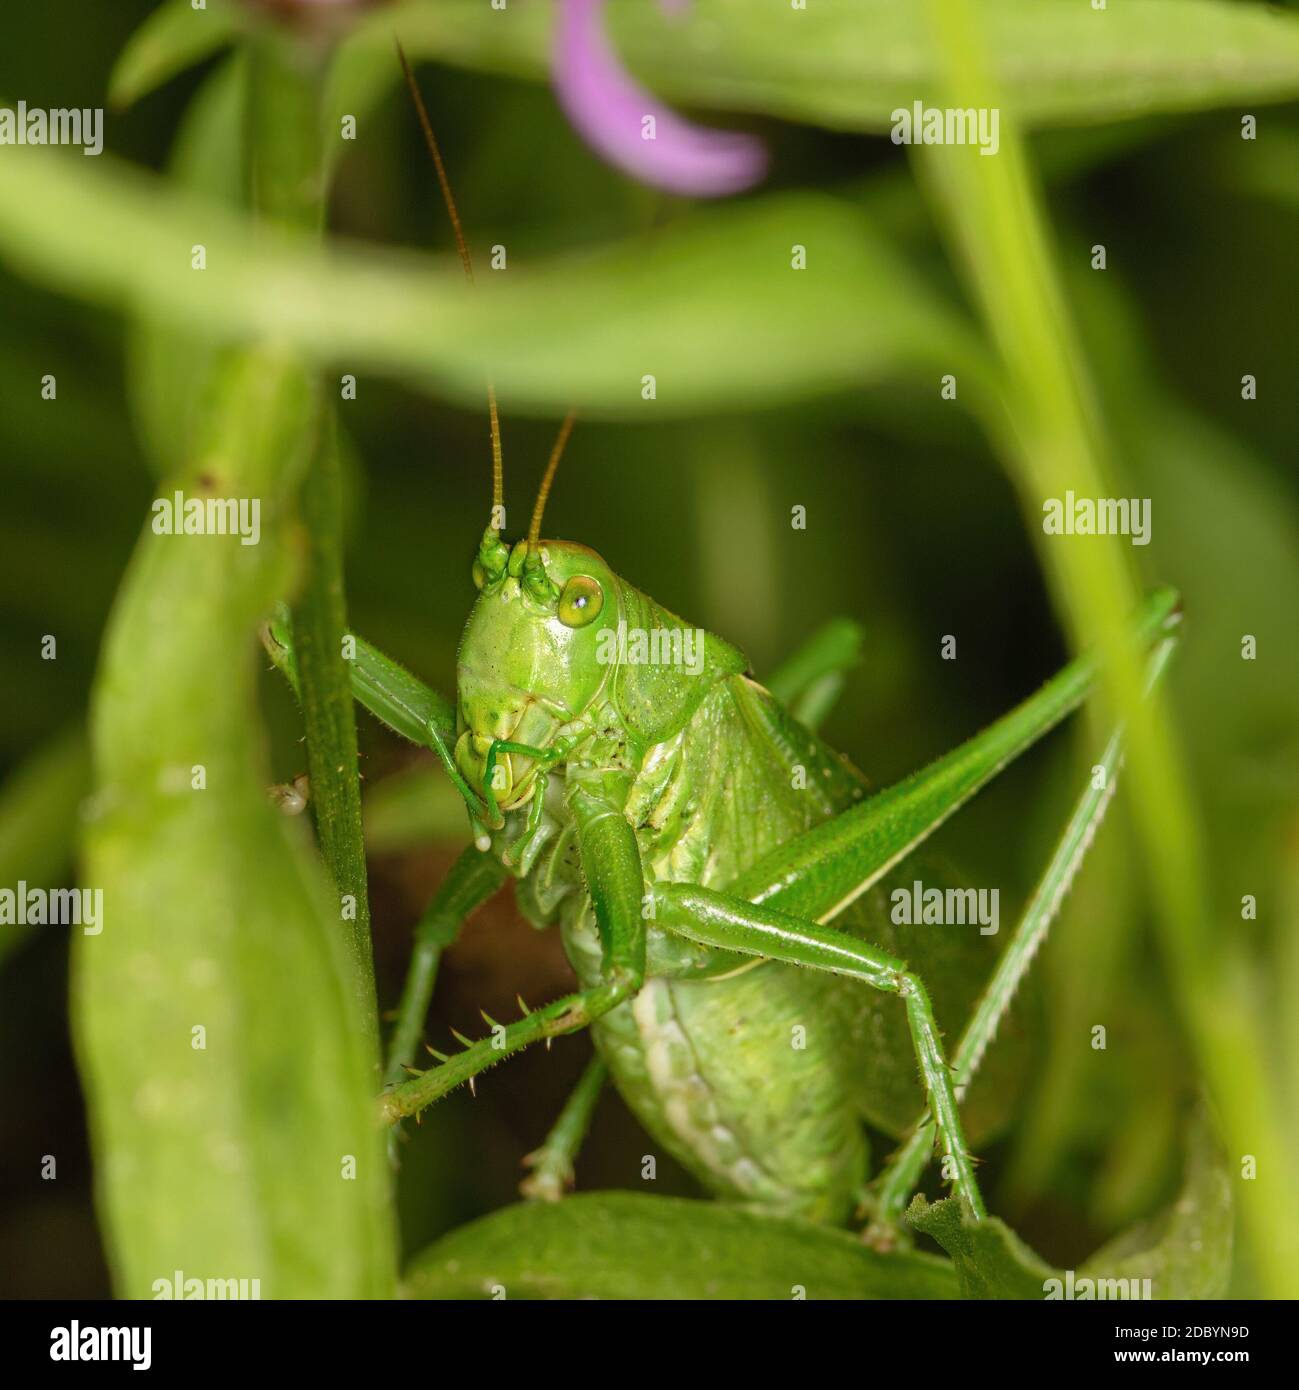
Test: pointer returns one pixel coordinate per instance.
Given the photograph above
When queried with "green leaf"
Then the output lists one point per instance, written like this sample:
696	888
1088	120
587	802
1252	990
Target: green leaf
629	1245
255	1155
1185	1251
174	37
711	308
848	64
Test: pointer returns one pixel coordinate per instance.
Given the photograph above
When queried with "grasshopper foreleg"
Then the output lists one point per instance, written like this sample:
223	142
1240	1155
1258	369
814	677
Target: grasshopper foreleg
395	697
611	862
473	878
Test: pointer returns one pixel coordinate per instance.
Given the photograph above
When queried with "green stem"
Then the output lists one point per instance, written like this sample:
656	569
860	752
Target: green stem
286	80
284	116
328	714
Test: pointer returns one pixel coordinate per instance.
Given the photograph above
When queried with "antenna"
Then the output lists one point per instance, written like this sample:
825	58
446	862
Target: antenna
534	531
498	472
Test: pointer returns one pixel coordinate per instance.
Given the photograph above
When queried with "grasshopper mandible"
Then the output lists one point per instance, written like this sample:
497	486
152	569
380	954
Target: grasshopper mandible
696	841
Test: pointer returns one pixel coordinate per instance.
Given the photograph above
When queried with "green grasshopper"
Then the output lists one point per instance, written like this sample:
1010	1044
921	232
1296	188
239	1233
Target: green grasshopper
696	842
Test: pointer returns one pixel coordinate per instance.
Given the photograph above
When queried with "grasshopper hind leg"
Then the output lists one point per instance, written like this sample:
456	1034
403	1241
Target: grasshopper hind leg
888	1195
721	920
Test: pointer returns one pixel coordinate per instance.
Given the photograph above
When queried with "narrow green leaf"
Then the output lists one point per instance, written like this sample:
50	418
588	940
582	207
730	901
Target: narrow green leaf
174	37
328	713
629	1245
712	309
848	64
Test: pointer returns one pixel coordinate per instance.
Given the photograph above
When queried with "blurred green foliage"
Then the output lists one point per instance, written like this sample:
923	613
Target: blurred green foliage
818	388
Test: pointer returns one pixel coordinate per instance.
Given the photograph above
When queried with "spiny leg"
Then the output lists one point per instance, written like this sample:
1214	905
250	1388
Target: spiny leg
718	919
472	879
552	1163
611	863
893	1188
567	1015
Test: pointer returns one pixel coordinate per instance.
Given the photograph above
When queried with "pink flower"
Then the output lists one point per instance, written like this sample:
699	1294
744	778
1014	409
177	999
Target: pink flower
630	128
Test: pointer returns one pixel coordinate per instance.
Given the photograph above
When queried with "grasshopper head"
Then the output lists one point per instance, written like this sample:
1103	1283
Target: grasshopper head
528	661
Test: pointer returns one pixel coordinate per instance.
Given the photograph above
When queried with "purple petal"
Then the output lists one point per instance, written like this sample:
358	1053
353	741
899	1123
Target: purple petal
608	110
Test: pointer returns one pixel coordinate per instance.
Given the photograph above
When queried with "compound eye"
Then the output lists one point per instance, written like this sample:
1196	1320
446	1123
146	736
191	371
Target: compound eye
581	601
